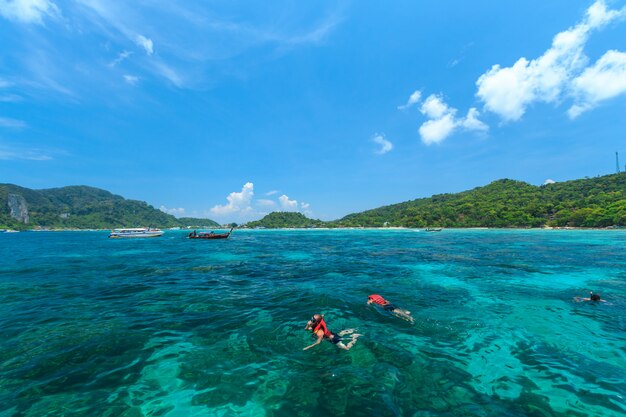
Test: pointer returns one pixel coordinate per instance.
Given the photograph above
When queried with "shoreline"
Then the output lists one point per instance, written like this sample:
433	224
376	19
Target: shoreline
415	229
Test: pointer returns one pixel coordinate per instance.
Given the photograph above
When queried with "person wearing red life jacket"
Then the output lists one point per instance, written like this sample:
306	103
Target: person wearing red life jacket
318	326
387	306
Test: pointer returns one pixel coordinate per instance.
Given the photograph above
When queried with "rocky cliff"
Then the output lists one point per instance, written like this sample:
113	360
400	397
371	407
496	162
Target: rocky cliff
18	209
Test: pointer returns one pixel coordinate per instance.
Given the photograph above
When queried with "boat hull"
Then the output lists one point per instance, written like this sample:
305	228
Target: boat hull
136	233
208	237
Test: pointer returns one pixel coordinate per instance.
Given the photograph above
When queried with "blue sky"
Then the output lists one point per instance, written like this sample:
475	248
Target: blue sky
229	109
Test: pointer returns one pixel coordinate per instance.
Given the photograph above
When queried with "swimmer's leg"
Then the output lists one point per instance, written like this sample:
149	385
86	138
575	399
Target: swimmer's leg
353	341
403	314
345	332
340	345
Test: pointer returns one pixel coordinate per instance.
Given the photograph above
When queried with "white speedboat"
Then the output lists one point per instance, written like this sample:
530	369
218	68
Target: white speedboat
135	232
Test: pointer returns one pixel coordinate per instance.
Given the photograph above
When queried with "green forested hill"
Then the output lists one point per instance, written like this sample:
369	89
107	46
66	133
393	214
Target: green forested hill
194	222
76	207
281	219
590	202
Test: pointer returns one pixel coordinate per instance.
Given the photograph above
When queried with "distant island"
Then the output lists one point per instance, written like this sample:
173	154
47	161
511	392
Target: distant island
590	202
282	219
81	207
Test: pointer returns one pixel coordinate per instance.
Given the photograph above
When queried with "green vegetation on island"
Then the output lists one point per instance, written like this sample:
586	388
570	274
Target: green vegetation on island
284	219
589	202
79	207
196	222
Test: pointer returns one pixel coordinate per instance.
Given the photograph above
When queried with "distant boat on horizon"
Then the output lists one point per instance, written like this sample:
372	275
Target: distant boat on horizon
209	235
135	232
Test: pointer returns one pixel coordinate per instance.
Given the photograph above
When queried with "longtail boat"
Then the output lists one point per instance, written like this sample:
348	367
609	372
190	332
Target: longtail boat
209	235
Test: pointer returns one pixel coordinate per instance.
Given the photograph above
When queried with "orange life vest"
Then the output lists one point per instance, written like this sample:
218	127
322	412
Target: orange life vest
321	325
378	299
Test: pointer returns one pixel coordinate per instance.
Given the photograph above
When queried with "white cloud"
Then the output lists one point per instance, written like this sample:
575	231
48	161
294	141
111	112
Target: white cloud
174	211
12	123
272	192
413	99
548	181
435	108
471	122
385	145
287	204
436	131
443	121
238	202
146	43
27	11
604	80
131	79
509	91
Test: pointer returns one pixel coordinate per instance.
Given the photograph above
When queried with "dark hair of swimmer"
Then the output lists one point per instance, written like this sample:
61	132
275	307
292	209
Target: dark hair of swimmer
594	297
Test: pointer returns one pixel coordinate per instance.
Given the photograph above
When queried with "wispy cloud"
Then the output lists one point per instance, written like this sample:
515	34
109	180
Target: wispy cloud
385	145
263	202
8	153
173	211
131	79
120	58
12	123
28	11
272	192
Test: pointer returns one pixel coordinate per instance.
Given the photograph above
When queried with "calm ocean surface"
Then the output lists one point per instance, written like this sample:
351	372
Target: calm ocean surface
169	327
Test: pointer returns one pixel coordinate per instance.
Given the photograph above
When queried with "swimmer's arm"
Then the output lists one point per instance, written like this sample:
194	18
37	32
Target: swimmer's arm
369	301
317	342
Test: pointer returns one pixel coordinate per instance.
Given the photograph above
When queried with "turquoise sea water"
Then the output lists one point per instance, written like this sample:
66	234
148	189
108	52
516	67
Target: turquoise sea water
172	327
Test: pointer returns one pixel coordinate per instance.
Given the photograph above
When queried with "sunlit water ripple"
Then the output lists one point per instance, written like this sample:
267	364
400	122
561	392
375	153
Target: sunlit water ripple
172	327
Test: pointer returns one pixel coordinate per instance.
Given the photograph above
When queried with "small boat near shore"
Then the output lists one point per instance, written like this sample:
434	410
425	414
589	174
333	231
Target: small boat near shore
434	229
209	235
135	232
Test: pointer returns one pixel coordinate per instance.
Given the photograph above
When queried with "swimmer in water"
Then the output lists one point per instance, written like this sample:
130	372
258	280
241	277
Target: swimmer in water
592	297
317	325
387	306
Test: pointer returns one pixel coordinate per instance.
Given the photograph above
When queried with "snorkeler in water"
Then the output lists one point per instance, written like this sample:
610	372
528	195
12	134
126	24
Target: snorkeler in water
318	326
387	306
592	297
